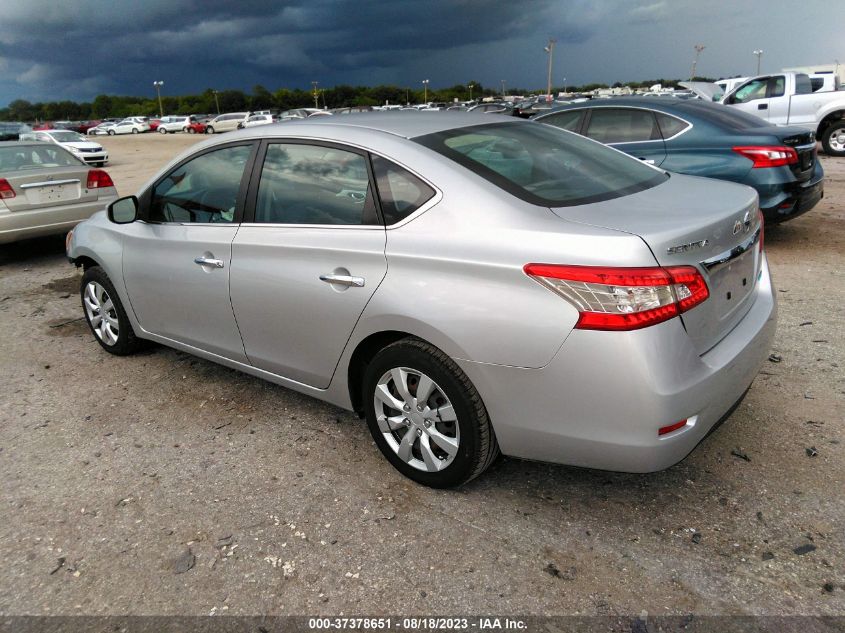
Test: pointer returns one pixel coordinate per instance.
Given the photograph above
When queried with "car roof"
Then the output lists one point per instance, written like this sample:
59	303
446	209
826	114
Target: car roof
399	123
664	105
24	144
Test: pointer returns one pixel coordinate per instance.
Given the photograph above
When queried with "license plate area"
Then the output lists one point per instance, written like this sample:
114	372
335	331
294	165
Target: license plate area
732	282
47	194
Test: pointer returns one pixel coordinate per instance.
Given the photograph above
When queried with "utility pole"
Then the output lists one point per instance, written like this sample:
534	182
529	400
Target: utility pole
550	49
698	48
425	90
759	54
503	88
314	85
216	102
158	85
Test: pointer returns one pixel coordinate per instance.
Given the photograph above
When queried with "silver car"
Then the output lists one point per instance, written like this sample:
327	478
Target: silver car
468	283
45	190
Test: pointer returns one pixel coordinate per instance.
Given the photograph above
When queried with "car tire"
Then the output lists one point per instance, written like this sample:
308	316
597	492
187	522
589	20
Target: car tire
111	132
134	130
209	130
162	130
833	139
452	440
190	130
105	315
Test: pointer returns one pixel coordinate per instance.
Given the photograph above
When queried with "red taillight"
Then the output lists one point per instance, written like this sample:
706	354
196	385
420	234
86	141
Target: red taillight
6	190
764	156
623	298
97	179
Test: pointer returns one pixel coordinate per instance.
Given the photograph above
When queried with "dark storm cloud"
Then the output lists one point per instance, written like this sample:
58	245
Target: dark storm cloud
77	49
53	50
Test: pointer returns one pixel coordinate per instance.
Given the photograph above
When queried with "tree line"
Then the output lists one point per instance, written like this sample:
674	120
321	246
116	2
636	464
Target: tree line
212	102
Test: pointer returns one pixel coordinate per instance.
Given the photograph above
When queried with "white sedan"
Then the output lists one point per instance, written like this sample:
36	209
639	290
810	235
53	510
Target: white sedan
259	119
132	125
87	151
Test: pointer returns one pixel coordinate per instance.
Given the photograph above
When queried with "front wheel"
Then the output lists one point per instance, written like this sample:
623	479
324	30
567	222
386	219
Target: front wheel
833	139
111	132
162	130
209	130
190	130
426	416
105	315
134	130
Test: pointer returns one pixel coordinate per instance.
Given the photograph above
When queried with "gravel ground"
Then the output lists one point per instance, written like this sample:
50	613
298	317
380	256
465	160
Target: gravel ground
164	484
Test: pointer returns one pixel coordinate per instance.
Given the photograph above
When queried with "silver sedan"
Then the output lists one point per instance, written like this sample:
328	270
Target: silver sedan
469	284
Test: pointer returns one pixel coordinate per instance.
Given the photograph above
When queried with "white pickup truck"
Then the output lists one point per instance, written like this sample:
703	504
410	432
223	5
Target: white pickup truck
787	99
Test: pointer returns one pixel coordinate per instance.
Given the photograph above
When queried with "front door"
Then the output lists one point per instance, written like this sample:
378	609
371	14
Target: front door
176	262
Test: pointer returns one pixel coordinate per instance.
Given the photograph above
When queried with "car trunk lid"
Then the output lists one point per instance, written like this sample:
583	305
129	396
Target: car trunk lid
713	226
41	188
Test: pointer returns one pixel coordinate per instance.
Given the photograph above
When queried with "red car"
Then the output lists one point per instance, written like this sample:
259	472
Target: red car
195	127
154	123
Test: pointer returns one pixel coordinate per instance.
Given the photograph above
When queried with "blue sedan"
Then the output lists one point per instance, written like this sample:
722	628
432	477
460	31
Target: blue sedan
706	139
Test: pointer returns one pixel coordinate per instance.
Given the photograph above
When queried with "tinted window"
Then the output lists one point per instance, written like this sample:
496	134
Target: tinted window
621	125
776	86
205	189
401	193
312	184
729	118
566	120
803	85
542	164
669	125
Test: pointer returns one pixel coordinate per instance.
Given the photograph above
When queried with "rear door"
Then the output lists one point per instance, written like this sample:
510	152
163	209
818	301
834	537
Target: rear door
631	130
307	259
176	263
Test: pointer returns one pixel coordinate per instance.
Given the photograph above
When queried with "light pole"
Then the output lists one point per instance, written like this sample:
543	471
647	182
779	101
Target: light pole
158	85
698	48
425	90
550	49
759	54
564	85
470	90
314	86
216	102
503	88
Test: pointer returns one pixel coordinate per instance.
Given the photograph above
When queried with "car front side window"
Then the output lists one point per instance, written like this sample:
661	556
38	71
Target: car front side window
314	184
203	190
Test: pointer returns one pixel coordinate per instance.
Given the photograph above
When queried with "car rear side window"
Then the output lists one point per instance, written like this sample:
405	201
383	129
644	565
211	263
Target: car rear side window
670	126
622	125
400	192
314	184
543	165
566	120
203	190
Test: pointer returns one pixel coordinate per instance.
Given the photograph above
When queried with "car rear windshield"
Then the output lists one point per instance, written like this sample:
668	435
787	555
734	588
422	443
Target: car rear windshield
724	116
22	157
542	164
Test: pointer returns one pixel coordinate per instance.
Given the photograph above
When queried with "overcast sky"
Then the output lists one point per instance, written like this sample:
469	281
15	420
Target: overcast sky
77	49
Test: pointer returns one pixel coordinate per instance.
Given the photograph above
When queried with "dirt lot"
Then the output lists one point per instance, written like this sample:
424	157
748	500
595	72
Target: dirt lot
164	484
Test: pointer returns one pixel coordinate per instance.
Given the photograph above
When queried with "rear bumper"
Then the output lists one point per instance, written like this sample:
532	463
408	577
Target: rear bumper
21	225
795	201
600	402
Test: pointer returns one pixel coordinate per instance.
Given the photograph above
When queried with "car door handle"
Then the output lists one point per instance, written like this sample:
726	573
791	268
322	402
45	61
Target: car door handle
343	280
208	261
762	106
648	161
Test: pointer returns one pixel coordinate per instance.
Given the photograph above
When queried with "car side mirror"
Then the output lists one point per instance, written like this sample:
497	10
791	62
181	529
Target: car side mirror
124	210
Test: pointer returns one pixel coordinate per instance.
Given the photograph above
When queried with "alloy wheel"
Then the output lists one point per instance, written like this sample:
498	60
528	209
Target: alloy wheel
416	419
101	312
